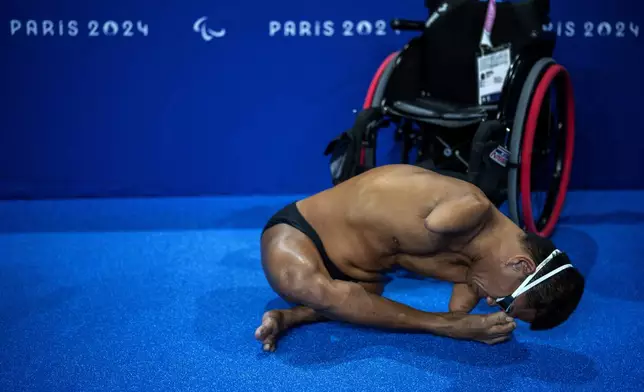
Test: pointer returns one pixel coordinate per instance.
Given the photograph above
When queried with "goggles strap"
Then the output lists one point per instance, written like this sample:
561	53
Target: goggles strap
526	285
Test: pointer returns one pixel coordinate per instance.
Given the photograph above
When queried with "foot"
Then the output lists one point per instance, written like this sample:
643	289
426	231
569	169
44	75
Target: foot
272	326
275	322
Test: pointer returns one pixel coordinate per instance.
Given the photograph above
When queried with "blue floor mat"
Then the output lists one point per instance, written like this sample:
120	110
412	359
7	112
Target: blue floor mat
165	294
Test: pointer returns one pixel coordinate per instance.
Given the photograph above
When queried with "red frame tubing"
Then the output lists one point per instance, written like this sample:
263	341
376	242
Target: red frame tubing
528	144
372	90
374	81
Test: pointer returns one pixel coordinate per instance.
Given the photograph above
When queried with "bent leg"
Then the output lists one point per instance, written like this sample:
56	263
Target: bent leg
295	271
276	322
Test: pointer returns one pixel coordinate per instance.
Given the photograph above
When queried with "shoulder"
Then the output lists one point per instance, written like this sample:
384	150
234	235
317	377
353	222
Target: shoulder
459	213
477	198
469	196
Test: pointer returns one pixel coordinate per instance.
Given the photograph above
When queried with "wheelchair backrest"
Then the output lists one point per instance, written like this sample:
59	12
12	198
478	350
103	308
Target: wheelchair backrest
541	6
451	43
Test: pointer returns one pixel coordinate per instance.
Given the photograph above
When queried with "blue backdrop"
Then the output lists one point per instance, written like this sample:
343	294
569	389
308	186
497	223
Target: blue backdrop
141	97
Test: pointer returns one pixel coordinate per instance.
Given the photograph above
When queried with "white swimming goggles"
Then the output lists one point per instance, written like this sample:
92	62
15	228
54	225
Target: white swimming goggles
506	302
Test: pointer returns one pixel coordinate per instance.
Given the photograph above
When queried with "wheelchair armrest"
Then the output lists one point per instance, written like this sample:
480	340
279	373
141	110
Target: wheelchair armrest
407	25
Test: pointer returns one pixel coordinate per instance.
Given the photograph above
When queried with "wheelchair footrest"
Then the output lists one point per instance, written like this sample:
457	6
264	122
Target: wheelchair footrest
439	112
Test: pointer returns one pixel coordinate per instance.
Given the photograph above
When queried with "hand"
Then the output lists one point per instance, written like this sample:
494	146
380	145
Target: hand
489	328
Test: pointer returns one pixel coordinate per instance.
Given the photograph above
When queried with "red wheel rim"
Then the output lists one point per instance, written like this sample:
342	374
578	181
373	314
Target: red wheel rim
528	145
374	81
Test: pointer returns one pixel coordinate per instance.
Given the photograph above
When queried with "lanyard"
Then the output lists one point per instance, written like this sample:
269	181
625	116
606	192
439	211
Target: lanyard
490	17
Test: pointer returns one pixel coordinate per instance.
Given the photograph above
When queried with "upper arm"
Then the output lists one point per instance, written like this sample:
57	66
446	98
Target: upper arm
463	299
459	215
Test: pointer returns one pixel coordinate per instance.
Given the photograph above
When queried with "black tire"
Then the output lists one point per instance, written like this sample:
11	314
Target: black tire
517	135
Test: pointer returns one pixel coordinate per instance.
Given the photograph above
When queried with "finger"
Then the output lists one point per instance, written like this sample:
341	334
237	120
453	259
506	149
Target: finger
490	301
498	318
500	339
502	329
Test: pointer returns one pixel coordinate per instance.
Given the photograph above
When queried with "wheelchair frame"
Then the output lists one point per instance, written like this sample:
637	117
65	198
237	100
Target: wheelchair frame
515	118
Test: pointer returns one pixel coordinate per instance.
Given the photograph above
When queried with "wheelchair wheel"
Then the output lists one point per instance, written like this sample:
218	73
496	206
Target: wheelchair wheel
379	82
541	154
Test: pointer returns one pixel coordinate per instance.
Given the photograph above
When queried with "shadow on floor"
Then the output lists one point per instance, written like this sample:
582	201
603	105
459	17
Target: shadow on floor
339	344
615	276
20	297
227	319
580	247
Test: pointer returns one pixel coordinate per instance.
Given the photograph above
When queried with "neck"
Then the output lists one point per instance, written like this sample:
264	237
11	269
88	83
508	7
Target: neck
497	241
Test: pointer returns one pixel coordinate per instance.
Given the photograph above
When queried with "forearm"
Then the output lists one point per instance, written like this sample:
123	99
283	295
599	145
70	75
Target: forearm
358	306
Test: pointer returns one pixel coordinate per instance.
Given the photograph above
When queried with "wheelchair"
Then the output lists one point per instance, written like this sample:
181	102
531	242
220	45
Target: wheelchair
515	144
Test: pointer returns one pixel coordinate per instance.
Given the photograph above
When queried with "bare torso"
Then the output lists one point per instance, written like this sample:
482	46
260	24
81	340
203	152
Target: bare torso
393	215
372	222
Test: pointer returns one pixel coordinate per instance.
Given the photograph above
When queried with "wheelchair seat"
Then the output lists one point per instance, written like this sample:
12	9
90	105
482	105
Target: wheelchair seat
437	70
439	112
430	92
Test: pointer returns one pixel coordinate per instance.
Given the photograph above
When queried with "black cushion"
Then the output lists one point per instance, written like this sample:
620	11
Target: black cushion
430	108
451	44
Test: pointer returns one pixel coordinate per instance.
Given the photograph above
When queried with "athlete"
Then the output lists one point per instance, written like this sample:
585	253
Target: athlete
328	255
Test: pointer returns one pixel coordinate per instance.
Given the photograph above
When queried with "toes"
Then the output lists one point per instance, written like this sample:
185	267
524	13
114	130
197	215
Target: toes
266	330
268	348
269	328
261	333
269	345
272	316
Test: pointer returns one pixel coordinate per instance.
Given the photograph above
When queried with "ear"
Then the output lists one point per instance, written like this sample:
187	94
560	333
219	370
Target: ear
522	264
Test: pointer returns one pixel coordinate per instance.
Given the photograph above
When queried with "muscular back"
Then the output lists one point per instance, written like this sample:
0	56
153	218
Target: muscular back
366	222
